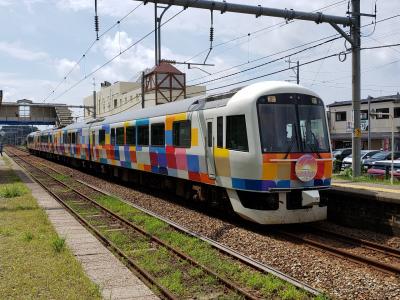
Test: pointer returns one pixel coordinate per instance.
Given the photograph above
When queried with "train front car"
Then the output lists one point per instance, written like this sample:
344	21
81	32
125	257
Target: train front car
288	159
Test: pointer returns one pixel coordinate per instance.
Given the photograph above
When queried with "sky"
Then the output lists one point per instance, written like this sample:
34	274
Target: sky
42	43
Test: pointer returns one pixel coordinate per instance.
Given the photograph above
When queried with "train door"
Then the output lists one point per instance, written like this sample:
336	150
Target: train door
209	149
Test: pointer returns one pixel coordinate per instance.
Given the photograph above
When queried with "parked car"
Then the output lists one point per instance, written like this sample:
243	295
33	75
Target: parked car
338	156
382	169
383	155
365	154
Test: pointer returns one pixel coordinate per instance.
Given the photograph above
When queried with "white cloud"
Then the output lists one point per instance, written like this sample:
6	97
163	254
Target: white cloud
17	50
5	2
64	66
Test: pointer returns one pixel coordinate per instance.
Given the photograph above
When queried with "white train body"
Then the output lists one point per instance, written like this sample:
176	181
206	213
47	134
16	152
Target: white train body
266	145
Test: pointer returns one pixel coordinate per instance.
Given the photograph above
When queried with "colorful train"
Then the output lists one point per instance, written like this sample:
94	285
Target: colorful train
262	150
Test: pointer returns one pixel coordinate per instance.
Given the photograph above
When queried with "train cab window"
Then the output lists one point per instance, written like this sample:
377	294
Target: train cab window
102	137
131	135
220	132
120	136
158	134
112	136
181	134
236	133
143	135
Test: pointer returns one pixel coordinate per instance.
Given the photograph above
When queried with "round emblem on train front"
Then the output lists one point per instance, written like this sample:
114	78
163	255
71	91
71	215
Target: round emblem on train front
306	168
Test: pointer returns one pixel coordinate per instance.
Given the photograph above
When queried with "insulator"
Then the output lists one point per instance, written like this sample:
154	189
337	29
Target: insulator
211	34
96	23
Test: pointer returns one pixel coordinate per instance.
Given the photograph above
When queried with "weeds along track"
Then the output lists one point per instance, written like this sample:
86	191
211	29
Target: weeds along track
380	257
179	265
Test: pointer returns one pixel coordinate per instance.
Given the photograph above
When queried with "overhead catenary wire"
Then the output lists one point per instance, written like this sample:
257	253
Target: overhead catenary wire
115	57
98	37
283	51
274	26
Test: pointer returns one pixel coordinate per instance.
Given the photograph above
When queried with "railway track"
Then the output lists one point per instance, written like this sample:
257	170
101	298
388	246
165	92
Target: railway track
379	257
79	198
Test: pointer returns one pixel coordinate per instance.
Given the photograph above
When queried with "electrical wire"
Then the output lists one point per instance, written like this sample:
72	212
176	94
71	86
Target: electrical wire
88	49
116	56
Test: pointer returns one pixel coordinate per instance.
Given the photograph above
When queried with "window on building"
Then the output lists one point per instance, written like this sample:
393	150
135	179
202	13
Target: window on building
102	137
131	135
340	116
115	103
181	133
24	111
382	110
364	114
158	134
236	133
112	136
143	135
220	132
120	136
396	112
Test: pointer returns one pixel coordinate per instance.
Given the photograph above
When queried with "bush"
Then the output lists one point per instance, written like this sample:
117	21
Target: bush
12	190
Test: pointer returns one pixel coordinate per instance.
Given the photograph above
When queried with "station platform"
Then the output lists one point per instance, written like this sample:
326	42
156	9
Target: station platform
381	192
114	279
364	205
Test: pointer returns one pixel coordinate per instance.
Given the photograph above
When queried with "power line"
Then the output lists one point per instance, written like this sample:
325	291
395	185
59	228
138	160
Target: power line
278	25
88	49
116	56
381	46
283	51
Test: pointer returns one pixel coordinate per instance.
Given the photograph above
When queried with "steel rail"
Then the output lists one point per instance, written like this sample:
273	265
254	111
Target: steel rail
216	245
147	276
359	242
177	252
387	268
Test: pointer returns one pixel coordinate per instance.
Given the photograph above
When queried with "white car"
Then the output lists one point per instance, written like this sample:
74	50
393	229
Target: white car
365	154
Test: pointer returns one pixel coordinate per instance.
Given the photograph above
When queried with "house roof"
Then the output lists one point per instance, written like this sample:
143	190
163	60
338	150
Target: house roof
390	98
164	67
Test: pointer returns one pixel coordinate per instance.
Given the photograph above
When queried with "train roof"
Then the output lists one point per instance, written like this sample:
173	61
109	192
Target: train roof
252	91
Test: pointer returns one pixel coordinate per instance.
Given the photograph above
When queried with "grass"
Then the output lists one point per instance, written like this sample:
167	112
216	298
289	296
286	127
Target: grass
267	285
12	190
58	244
30	266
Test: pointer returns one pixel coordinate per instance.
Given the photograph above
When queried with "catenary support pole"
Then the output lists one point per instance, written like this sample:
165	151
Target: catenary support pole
356	81
258	11
298	73
94	99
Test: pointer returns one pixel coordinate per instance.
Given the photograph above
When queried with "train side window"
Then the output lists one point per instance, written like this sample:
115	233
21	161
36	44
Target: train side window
143	135
209	135
181	133
131	135
73	138
220	132
93	138
120	136
158	134
102	137
236	133
69	138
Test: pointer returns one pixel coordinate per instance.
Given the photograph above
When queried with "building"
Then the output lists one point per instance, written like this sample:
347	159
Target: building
340	118
15	135
164	83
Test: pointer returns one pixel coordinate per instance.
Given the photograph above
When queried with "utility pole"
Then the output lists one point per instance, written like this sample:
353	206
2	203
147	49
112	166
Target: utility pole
298	73
354	21
94	99
356	78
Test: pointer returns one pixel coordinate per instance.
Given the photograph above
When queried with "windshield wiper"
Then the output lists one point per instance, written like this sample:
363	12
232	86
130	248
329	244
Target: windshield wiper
311	145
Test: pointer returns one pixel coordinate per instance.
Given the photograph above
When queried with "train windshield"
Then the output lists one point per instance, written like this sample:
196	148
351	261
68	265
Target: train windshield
292	123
